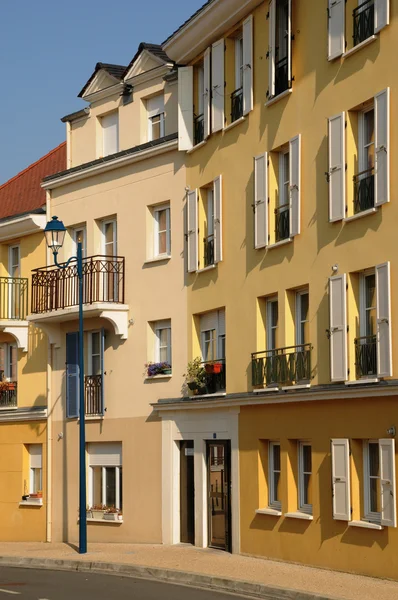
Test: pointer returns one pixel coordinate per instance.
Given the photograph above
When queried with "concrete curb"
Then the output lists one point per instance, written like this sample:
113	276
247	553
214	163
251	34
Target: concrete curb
219	584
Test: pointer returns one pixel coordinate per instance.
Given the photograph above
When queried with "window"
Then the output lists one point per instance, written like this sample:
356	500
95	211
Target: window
156	117
237	94
162	237
305	477
35	468
163	341
95	353
109	238
105	475
94	379
200	104
364	181
372	493
363	21
280	46
208	240
110	133
15	287
274	475
8	362
282	220
366	349
79	234
212	327
271	322
302	322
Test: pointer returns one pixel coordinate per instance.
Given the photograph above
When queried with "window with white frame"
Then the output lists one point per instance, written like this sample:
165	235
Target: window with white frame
372	483
274	469
162	233
280	33
79	235
94	353
212	328
35	468
364	188
282	215
163	341
366	344
110	133
8	362
302	320
105	475
156	117
305	477
271	322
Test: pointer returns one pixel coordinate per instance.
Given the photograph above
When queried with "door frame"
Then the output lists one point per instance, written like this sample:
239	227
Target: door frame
228	521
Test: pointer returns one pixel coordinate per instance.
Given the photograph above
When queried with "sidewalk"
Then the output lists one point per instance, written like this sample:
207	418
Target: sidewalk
203	568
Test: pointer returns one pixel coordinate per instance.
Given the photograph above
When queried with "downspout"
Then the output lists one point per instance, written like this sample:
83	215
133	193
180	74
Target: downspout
49	409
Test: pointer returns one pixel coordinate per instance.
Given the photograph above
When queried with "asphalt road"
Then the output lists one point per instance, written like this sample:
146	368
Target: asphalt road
29	584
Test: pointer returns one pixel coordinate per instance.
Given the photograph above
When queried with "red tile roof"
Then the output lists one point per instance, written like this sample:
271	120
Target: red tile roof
23	194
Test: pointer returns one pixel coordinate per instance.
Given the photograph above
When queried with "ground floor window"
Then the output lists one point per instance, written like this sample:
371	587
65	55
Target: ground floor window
305	477
35	468
105	487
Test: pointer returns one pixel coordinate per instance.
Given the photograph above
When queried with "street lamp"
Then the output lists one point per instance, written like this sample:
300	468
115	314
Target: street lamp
55	234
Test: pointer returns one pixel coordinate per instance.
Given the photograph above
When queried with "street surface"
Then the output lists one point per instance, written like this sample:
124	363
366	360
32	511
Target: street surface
29	584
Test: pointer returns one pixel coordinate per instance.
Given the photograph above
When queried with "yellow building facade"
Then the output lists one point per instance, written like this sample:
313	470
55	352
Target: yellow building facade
286	119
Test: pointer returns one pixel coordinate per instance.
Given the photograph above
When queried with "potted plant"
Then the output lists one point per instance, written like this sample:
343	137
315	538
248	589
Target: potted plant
159	368
111	514
98	511
213	367
195	376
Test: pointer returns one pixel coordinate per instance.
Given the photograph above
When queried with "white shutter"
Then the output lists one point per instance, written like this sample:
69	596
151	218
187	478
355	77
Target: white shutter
383	315
248	65
382	14
35	453
336	29
217	102
382	139
104	454
338	328
185	108
110	134
387	482
207	93
217	194
272	46
192	243
340	451
295	183
337	167
261	201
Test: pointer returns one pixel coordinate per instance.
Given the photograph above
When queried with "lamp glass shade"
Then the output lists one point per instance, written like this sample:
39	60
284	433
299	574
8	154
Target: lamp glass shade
55	234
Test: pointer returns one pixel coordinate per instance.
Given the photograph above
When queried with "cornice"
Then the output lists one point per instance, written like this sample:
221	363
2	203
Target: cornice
105	93
21	414
21	226
146	76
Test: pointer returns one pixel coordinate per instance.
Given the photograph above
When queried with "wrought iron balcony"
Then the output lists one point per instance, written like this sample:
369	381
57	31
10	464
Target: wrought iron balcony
364	190
93	395
54	289
215	376
286	366
13	298
8	392
236	104
199	129
364	21
365	356
281	76
282	222
208	243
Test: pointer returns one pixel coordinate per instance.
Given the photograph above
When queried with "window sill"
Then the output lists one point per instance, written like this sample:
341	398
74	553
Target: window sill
365	525
299	515
216	395
8	408
281	243
268	511
366	42
279	97
362	381
200	145
234	124
118	522
300	386
164	376
359	215
267	389
32	502
157	259
209	268
89	418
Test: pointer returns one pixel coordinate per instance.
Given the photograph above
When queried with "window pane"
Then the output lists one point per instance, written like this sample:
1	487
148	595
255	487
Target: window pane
277	457
156	127
97	486
120	488
307	496
110	486
374	460
307	461
276	476
370	291
95	342
96	365
162	220
162	242
36	481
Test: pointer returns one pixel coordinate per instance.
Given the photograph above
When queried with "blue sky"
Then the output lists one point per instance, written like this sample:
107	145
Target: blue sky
49	49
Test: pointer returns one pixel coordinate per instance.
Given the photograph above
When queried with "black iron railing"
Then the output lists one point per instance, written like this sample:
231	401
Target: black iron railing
282	81
208	246
364	190
54	288
282	222
199	129
365	356
282	366
13	298
236	104
215	376
364	21
93	394
8	392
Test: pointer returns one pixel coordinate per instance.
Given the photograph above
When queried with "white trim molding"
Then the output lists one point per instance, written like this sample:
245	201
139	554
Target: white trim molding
18	330
22	225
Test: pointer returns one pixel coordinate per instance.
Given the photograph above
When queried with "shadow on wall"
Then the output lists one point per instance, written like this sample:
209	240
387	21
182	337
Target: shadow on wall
37	351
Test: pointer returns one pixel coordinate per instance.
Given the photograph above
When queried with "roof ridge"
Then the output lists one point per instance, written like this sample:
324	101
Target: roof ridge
32	165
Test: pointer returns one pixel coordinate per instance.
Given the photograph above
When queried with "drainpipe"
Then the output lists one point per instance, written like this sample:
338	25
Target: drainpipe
49	410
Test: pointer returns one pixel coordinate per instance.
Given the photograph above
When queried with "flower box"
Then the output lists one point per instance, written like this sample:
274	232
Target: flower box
111	516
97	514
213	367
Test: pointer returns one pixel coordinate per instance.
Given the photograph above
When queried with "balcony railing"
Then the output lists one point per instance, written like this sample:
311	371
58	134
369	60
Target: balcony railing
208	245
281	76
285	366
365	356
8	392
93	395
54	288
364	21
13	298
199	129
215	376
282	222
236	104
364	190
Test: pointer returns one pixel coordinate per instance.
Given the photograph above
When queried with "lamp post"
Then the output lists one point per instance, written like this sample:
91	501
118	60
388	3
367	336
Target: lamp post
55	234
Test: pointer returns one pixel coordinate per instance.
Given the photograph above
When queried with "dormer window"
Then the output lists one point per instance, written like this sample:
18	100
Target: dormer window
156	117
110	133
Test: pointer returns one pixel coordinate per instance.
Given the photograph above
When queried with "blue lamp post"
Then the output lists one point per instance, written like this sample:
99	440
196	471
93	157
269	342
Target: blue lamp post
55	234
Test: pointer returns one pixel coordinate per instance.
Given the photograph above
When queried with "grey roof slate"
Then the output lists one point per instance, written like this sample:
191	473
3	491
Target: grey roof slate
155	49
